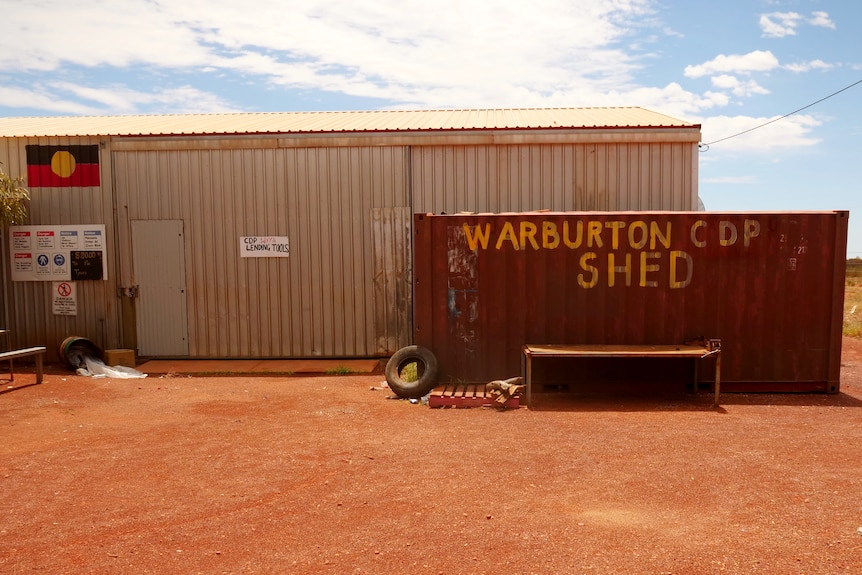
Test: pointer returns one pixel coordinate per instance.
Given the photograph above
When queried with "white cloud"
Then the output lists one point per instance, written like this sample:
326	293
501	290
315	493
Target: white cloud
407	53
751	134
737	88
756	61
415	54
71	99
821	19
779	24
186	100
47	35
440	54
725	82
15	97
808	66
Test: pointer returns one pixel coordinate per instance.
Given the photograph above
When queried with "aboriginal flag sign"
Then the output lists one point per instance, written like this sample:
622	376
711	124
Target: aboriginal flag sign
62	166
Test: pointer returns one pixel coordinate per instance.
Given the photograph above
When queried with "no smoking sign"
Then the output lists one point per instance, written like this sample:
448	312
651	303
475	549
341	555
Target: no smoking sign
65	298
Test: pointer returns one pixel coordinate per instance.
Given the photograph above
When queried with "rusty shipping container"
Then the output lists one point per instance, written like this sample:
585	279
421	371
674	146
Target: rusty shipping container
770	285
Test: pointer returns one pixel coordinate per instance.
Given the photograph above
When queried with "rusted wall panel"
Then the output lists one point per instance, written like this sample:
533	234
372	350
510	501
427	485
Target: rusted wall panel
770	285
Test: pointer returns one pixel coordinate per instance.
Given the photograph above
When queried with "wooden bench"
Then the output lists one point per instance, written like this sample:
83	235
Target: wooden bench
711	347
11	355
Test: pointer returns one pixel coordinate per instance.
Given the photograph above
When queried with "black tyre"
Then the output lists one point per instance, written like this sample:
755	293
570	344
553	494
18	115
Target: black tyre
399	365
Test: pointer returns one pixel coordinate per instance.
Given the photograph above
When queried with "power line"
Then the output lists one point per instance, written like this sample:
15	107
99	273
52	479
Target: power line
705	147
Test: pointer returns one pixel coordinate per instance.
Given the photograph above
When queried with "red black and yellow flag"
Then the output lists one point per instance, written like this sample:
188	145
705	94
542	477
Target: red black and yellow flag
62	166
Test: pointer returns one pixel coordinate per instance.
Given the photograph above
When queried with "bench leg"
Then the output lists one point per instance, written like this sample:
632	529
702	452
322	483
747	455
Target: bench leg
11	370
717	377
38	368
696	376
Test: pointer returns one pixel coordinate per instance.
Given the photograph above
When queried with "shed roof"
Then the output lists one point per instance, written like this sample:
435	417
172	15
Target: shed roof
341	122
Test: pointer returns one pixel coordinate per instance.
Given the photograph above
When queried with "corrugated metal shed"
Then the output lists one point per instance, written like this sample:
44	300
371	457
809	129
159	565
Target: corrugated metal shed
769	285
340	122
342	186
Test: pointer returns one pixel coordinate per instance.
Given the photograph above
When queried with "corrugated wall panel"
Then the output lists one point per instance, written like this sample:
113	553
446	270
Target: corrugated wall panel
560	177
317	302
769	285
29	305
393	275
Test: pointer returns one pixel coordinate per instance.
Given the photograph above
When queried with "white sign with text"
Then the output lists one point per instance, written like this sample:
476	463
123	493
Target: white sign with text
264	247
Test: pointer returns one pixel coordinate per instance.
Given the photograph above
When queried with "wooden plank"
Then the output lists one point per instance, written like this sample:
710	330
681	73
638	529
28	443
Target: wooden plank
9	356
617	350
465	396
22	352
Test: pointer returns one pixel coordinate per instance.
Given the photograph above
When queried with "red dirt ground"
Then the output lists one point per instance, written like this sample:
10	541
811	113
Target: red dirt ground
325	475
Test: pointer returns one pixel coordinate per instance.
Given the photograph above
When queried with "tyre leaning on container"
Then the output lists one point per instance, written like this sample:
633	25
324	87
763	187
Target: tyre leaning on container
426	370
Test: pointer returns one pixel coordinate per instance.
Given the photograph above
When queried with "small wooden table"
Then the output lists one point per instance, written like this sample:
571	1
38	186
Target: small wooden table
712	347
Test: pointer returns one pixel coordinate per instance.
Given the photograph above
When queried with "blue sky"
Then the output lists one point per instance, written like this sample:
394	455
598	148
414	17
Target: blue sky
730	66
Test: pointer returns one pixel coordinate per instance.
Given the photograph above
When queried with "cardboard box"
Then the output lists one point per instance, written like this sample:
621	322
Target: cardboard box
124	357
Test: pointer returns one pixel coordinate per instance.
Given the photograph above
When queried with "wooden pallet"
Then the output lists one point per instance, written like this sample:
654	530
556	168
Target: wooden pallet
465	395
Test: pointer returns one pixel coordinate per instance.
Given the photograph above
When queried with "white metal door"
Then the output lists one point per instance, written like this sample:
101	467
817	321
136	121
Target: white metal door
158	253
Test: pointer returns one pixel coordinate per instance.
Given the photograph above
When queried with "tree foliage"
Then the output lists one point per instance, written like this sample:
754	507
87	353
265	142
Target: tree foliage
13	200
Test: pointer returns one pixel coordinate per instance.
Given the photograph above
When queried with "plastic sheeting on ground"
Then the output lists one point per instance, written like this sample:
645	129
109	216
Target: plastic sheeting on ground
97	368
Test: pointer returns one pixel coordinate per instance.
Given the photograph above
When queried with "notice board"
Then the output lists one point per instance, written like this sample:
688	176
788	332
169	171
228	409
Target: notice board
58	253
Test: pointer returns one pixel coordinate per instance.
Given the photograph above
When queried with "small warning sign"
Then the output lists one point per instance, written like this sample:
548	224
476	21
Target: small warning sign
65	298
59	253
